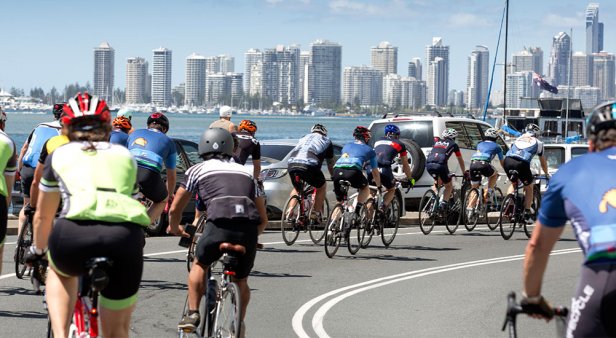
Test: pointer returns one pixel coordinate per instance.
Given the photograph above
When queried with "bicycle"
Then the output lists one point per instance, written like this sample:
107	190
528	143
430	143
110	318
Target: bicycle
512	209
514	308
298	218
194	239
384	222
430	210
482	206
345	222
221	303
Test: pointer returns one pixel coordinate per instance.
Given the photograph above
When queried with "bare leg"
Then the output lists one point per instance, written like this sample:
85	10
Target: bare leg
528	195
244	294
389	196
320	197
156	209
22	215
61	298
448	190
196	285
116	323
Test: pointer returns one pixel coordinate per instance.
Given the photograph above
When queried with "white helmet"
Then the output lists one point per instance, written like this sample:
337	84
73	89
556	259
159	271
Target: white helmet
449	133
533	129
491	133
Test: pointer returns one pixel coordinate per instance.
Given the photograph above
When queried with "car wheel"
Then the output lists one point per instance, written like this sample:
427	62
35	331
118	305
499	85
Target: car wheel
416	157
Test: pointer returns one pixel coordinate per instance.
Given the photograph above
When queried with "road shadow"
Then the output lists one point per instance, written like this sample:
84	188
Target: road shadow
271	249
256	273
389	258
162	260
416	247
18	291
161	285
23	314
480	234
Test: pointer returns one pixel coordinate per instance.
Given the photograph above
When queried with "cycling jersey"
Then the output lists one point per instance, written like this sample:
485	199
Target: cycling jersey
8	161
311	150
51	145
355	155
486	151
36	140
584	191
442	150
96	185
152	148
387	150
525	148
248	146
119	137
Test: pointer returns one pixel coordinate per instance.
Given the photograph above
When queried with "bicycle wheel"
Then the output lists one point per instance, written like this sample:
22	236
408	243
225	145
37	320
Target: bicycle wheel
452	220
289	224
389	226
495	205
317	230
355	231
534	207
427	208
228	322
471	212
190	255
366	224
333	235
508	218
23	243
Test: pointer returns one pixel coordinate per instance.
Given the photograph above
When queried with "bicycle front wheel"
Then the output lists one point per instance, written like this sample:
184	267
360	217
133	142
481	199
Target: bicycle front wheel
366	224
452	221
333	233
528	228
23	243
316	230
228	318
389	226
289	224
496	202
471	207
356	229
190	255
427	214
508	218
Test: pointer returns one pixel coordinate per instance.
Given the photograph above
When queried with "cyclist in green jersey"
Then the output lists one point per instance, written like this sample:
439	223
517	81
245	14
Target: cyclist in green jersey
8	165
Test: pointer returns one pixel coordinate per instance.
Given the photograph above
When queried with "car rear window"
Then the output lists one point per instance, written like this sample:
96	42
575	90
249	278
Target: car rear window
577	151
419	131
275	151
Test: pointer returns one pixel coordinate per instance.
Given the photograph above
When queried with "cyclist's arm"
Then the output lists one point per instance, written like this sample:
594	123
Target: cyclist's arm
46	208
330	166
502	163
232	128
544	164
256	168
182	197
171	178
10	181
536	257
34	188
22	152
260	203
461	162
406	168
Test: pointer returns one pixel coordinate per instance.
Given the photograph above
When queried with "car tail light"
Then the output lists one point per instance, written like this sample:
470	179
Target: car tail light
270	174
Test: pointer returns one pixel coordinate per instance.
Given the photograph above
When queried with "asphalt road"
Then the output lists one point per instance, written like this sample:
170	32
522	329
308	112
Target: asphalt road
422	286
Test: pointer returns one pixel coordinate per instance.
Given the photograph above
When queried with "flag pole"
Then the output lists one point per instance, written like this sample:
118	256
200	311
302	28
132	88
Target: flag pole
505	77
568	82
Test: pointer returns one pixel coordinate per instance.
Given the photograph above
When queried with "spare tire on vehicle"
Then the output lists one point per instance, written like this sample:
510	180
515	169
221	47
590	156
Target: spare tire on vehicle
417	161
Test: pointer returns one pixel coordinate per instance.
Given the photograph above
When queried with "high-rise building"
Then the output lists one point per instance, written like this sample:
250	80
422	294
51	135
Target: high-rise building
590	96
581	69
224	88
304	64
529	59
477	79
104	57
256	82
280	78
415	69
520	93
362	85
136	80
603	69
324	74
195	80
559	59
161	77
227	63
437	78
413	93
252	57
392	90
594	29
385	58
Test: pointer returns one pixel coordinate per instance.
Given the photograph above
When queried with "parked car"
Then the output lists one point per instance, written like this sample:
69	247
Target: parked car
556	154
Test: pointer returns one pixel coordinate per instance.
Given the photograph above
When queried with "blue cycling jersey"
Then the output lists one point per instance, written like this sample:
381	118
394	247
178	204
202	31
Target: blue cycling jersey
525	148
152	148
584	191
119	137
355	155
486	151
37	139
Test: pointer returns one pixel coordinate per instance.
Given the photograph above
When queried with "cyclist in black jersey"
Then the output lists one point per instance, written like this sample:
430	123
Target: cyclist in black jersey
436	161
248	145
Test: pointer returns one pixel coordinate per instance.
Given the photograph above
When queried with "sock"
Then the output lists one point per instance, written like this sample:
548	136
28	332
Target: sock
190	312
358	208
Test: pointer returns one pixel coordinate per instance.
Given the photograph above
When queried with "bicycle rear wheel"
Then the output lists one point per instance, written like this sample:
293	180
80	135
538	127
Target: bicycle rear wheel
317	230
427	208
508	218
333	234
228	320
389	226
355	231
534	207
366	224
23	243
496	202
454	214
190	255
471	212
289	224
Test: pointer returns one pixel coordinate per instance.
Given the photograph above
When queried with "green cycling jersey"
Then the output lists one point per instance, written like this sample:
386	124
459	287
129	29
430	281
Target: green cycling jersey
8	160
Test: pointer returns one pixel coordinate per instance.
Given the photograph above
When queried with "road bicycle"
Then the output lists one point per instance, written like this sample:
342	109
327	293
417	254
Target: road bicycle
345	224
221	302
296	216
194	239
512	212
383	222
477	207
514	308
430	211
24	241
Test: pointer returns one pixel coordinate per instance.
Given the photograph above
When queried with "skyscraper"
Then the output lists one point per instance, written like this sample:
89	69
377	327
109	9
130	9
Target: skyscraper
392	90
520	90
477	79
280	79
559	59
413	93
195	80
304	63
136	80
415	69
594	29
603	74
325	73
581	69
161	77
362	85
227	63
529	59
437	79
252	57
104	57
385	58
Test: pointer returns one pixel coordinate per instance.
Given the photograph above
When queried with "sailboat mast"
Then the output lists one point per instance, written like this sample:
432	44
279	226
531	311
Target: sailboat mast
505	77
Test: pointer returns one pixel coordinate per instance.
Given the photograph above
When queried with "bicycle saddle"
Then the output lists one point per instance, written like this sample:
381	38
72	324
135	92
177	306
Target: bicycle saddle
229	247
345	183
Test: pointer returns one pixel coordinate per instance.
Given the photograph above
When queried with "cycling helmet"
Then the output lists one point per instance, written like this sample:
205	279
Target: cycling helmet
532	128
159	118
85	107
602	117
216	141
248	125
392	129
361	133
449	133
491	133
122	122
57	110
319	128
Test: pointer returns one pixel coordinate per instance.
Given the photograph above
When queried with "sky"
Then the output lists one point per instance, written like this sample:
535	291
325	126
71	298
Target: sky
50	43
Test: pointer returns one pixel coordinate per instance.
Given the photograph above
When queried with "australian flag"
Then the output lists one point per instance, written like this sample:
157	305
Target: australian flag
539	81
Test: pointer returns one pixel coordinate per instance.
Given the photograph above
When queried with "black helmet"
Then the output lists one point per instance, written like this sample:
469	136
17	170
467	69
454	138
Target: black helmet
159	118
57	110
602	117
216	141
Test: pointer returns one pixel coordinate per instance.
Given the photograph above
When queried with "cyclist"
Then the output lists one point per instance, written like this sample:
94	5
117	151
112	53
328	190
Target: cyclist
248	145
519	157
29	154
305	161
8	165
349	167
583	191
224	122
481	161
234	215
436	162
152	149
96	181
386	150
121	128
129	115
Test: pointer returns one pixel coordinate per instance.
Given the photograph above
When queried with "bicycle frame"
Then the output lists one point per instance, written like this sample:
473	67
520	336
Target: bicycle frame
514	308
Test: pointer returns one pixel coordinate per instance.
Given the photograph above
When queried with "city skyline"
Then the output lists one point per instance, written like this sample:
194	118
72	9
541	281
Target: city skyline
233	27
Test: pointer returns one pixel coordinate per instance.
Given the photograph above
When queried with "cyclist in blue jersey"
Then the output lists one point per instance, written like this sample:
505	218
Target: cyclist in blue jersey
121	128
518	158
153	149
436	161
481	161
8	165
583	190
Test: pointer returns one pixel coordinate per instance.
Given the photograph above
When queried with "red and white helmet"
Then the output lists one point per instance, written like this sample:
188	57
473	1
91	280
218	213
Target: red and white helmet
83	106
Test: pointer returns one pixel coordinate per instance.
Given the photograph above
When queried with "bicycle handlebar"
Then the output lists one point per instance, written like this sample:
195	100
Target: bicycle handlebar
514	308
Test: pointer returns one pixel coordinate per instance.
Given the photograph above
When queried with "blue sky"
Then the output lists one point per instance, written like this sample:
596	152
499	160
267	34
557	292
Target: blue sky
50	43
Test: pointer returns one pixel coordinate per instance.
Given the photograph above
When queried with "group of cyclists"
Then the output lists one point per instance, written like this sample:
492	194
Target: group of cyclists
93	165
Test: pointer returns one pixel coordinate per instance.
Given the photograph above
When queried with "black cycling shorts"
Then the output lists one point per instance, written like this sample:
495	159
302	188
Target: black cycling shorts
387	177
151	185
354	176
73	243
479	169
309	174
213	235
437	170
522	167
594	305
27	175
4	220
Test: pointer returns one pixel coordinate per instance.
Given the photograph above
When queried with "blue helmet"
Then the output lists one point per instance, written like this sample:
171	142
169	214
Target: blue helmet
392	129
